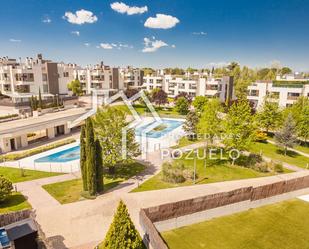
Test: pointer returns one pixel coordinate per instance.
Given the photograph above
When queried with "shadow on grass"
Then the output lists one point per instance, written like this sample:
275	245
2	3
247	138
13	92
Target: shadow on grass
13	200
289	153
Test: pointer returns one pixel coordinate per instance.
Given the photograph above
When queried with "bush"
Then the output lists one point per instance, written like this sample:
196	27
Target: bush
122	232
260	136
8	116
173	172
17	156
188	174
6	188
249	161
261	167
276	167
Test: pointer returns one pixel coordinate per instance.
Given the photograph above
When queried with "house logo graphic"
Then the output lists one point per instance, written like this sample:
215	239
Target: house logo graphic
101	98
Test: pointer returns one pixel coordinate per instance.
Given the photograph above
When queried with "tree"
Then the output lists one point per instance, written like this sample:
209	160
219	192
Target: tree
99	167
286	137
158	96
122	232
182	106
239	126
6	188
130	92
232	65
76	87
303	123
269	116
83	157
285	70
199	103
185	95
210	124
40	100
91	158
190	125
109	123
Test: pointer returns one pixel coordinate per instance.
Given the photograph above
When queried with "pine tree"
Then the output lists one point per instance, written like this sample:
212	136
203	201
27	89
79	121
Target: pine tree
83	157
286	137
190	124
122	232
99	167
91	158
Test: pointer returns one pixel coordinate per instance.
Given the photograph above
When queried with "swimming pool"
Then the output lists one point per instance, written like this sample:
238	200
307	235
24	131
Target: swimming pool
63	156
73	153
168	123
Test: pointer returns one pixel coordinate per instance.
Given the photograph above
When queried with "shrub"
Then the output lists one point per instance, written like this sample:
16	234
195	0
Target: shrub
276	166
249	161
6	188
260	136
122	232
261	167
188	174
173	172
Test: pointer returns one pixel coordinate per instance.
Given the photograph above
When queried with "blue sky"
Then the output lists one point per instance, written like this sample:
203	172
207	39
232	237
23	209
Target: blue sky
190	33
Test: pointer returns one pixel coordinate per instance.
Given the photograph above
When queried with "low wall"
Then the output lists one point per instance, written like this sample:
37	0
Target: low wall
9	218
220	203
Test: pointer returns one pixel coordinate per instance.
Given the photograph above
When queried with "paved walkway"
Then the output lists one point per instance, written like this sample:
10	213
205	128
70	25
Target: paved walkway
82	225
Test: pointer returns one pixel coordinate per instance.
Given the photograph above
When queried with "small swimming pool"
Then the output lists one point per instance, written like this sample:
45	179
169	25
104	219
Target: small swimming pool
168	123
63	156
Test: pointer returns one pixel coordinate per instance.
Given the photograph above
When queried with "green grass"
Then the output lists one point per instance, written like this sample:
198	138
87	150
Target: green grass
302	146
275	153
141	109
15	175
215	171
283	225
14	202
70	191
184	141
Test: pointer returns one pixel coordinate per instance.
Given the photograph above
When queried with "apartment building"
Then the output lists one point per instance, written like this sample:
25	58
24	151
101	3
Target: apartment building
21	80
221	88
131	77
99	77
283	92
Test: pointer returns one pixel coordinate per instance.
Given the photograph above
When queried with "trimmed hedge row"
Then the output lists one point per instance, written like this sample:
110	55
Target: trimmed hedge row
8	116
17	156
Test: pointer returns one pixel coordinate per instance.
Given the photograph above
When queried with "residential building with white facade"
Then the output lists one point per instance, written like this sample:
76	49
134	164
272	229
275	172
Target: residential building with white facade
283	92
131	77
221	88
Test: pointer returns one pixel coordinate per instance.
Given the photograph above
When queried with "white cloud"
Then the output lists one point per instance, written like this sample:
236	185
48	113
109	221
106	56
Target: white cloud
46	20
173	46
80	17
153	45
123	8
199	33
14	40
106	46
87	44
161	21
75	33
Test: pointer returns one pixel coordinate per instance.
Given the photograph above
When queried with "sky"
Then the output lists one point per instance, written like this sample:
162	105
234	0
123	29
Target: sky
158	33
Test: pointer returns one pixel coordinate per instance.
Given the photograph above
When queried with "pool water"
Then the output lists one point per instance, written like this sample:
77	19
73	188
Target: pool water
61	156
170	126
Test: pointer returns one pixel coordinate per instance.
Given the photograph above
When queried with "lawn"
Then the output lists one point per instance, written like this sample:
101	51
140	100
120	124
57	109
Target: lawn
215	171
14	202
184	141
283	225
302	146
141	109
272	151
70	191
15	175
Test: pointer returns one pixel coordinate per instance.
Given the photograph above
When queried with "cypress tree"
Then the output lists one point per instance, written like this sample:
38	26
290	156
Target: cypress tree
99	167
83	158
122	232
40	99
91	157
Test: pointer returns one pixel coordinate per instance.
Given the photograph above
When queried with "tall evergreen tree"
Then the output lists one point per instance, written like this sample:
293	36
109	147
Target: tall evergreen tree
91	158
122	232
40	99
99	167
286	137
83	157
190	124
